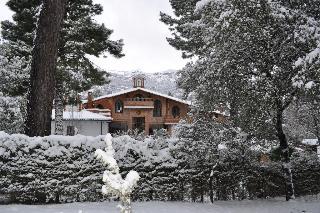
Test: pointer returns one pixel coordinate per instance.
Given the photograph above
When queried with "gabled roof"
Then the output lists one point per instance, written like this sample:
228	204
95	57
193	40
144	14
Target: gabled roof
142	89
83	115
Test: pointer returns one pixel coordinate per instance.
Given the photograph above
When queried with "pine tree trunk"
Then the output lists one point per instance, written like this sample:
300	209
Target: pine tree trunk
58	111
42	79
285	156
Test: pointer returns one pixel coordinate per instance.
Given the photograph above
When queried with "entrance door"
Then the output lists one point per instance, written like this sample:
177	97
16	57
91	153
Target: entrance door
139	123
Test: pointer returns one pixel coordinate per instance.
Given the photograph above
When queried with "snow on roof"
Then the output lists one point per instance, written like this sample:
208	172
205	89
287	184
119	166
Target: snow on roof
311	142
82	115
224	113
142	89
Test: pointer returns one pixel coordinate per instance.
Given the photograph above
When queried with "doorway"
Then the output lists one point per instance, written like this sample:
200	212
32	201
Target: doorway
138	123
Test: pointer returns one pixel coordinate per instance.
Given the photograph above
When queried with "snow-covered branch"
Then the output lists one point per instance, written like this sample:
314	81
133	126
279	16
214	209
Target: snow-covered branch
114	184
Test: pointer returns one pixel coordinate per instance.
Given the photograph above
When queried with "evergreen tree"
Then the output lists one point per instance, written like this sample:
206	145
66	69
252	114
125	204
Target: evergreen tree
43	66
14	71
81	36
254	56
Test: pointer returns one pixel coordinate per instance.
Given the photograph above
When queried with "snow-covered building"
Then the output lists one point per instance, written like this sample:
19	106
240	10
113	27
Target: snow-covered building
314	143
140	108
84	122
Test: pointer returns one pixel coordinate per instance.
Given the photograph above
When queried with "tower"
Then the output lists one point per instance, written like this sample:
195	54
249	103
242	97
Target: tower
138	81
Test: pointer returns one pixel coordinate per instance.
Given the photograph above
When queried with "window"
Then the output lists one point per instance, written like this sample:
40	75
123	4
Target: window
157	109
119	106
138	97
139	83
175	111
71	130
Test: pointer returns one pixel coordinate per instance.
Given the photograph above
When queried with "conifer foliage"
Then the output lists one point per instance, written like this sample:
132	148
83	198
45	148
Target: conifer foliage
254	56
81	36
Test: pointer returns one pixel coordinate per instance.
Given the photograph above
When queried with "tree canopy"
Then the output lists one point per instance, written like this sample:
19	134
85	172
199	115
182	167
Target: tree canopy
81	36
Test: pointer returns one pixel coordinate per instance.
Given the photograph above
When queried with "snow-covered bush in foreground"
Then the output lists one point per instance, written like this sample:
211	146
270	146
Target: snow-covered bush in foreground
49	169
114	184
197	165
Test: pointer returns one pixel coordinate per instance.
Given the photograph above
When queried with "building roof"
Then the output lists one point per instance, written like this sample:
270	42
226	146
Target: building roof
83	115
310	142
142	89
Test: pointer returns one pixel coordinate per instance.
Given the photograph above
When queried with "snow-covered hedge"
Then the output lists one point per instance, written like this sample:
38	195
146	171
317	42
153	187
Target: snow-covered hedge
64	169
49	169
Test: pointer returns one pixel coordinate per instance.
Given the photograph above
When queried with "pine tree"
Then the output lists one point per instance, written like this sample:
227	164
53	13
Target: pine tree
81	36
254	56
43	66
13	70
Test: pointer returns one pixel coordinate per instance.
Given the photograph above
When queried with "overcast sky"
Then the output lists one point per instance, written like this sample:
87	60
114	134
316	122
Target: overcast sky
137	22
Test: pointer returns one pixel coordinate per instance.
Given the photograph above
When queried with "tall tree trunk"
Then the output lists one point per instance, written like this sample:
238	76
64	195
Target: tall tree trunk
211	188
42	79
58	106
285	155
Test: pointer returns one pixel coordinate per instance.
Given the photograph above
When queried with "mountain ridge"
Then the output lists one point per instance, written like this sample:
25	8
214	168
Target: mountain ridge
163	82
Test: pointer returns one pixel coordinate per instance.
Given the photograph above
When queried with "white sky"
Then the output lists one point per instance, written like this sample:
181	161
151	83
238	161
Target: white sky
137	22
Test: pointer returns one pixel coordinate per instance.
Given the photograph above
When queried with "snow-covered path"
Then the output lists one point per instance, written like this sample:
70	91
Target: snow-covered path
259	206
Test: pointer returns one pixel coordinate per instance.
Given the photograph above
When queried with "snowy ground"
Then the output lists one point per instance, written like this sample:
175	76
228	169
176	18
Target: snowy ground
302	205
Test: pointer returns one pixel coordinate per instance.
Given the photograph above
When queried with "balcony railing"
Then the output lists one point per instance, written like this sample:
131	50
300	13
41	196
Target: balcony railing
171	120
138	99
138	103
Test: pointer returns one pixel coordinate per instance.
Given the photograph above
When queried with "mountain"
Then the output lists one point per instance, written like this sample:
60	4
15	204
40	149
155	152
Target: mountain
163	82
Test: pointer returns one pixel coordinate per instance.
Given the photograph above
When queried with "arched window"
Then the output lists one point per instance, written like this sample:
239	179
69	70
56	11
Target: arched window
157	109
175	111
119	106
139	83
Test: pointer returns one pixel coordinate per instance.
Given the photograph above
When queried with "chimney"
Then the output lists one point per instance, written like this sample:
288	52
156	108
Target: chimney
79	103
90	100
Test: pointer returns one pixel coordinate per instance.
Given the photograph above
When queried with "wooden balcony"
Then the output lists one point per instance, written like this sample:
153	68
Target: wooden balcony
138	103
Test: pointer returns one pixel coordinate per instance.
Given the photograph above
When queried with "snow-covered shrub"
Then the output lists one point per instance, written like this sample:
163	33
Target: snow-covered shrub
306	172
114	183
151	158
197	165
49	169
12	114
220	162
63	168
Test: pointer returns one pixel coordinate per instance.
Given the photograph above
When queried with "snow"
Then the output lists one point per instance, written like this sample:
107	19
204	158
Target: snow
309	58
309	85
221	146
82	115
310	142
142	89
307	205
201	4
114	184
